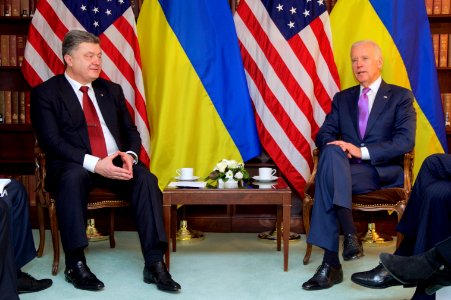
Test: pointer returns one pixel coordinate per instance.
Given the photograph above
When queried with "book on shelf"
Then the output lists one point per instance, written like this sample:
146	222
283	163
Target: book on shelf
4	49
446	7
15	107
15	8
435	45
449	51
7	95
7	8
429	4
21	107
2	107
437	7
446	98
20	48
443	50
32	6
24	8
27	107
12	50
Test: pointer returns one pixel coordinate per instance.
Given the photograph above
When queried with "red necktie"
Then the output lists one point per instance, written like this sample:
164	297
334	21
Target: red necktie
96	137
363	111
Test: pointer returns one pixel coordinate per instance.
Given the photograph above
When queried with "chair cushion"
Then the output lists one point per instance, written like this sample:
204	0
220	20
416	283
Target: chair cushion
389	196
100	198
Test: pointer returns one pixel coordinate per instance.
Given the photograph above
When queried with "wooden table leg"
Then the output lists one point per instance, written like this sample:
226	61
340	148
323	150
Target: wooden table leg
167	225
279	226
174	227
286	229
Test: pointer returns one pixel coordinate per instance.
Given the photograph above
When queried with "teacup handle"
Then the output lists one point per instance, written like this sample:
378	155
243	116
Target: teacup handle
274	171
178	172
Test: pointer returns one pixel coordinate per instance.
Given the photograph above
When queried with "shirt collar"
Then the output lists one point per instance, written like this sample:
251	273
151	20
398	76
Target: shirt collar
374	87
75	84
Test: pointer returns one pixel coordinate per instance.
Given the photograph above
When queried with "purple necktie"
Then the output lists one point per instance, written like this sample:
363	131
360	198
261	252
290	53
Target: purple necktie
363	111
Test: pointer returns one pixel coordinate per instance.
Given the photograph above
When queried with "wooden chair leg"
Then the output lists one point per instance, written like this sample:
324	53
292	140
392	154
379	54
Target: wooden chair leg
41	230
112	241
55	237
306	210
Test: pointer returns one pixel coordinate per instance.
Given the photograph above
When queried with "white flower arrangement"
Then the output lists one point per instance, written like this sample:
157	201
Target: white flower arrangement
227	170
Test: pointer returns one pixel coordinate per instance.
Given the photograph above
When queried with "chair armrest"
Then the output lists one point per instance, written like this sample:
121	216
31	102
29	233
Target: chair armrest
408	171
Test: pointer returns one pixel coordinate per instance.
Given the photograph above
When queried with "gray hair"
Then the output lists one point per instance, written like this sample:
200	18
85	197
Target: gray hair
375	46
74	38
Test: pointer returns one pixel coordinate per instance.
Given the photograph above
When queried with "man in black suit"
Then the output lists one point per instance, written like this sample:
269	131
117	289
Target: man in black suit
83	125
425	222
362	143
16	244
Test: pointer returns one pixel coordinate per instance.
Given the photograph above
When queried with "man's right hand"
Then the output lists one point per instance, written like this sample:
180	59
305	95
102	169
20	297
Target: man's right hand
106	168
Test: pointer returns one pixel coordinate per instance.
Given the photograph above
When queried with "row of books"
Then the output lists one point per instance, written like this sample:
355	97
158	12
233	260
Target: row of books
15	107
12	48
442	50
436	7
17	8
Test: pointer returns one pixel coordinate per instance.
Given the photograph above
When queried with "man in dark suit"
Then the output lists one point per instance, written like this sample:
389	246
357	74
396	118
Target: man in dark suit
16	244
83	125
362	143
425	222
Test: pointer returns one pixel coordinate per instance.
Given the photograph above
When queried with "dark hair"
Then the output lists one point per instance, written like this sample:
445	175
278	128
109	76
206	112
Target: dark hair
73	38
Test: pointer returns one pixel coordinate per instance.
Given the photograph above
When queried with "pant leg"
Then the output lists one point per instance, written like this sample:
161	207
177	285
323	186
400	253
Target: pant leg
426	220
336	180
22	237
71	188
8	280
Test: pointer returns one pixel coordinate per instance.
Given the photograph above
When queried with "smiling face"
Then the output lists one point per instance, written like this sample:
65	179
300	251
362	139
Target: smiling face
84	63
366	60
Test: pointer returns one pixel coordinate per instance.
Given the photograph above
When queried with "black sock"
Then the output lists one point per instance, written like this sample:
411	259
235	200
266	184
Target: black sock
345	219
331	258
153	257
73	256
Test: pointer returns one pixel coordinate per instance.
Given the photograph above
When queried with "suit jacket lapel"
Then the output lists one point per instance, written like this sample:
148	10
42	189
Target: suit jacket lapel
74	108
383	95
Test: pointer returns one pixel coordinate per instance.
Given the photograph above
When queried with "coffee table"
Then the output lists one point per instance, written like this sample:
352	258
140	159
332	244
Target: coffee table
275	193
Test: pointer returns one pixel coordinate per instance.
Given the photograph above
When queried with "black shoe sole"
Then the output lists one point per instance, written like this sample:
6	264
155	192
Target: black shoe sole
83	288
318	288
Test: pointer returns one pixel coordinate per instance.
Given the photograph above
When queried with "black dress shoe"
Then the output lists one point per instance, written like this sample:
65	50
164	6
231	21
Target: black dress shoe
377	278
82	278
325	277
28	284
158	273
352	247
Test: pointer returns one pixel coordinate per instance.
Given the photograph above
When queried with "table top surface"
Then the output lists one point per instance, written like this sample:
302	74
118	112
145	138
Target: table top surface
250	186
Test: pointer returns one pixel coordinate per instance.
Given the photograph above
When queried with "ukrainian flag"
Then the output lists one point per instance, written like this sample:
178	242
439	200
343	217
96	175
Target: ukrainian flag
198	102
401	29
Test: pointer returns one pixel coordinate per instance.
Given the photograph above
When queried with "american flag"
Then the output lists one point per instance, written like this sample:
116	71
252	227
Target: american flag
292	77
113	22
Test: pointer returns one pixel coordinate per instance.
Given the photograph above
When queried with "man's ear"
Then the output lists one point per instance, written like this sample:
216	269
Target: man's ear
68	60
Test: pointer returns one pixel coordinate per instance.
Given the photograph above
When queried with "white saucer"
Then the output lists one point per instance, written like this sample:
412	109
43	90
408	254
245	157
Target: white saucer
187	179
273	178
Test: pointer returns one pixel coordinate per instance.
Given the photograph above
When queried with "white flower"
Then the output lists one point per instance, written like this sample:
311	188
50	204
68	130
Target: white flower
239	175
221	166
233	164
229	174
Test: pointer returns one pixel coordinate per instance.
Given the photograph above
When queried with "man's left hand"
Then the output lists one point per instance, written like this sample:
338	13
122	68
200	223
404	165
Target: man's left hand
350	149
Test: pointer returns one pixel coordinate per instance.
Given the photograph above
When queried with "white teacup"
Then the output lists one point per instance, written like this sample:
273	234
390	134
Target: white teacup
266	173
185	173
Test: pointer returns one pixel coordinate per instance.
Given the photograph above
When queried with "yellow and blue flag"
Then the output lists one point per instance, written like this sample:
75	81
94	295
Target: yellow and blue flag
198	101
401	29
